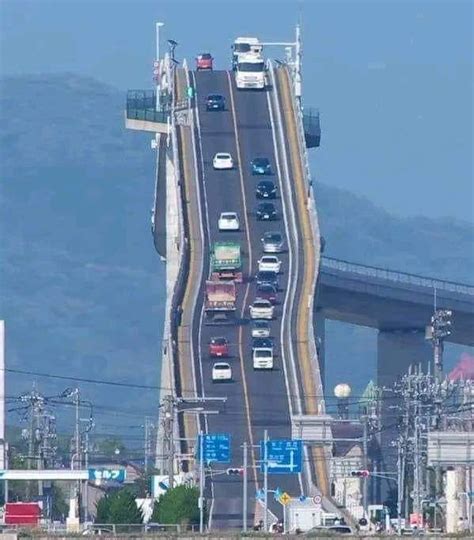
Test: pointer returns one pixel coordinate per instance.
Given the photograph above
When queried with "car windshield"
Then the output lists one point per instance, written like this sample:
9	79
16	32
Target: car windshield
261	303
251	67
222	156
266	207
205	56
266	184
215	97
218	341
269	259
272	237
261	162
266	288
261	325
241	47
229	217
221	366
262	353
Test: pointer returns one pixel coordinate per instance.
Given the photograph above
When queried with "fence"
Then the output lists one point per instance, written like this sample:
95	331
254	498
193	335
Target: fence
312	127
400	277
141	105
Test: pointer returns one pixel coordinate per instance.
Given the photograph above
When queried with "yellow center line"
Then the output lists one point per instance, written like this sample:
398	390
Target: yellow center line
309	269
247	288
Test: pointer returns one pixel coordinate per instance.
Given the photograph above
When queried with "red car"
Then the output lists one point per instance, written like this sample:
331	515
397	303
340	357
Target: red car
218	346
267	291
204	61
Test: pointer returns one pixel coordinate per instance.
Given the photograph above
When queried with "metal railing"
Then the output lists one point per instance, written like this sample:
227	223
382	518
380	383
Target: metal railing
311	126
141	105
397	276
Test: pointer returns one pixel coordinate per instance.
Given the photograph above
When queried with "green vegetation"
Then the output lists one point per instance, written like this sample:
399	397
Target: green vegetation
177	505
118	507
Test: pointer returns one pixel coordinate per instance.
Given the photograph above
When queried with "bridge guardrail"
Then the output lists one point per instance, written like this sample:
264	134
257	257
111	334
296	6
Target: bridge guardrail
141	105
397	276
313	219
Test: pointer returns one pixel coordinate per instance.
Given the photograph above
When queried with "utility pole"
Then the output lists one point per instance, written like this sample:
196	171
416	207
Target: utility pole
265	478
169	406
148	439
245	487
437	332
201	482
399	485
366	463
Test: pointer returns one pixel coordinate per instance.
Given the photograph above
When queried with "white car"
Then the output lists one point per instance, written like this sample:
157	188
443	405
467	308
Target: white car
269	263
262	358
260	329
221	371
222	161
261	309
228	221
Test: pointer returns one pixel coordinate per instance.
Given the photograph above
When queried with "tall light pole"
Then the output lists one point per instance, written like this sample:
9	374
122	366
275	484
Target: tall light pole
158	79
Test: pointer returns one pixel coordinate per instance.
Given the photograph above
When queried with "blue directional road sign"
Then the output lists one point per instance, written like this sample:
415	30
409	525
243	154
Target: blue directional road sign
215	447
107	475
284	456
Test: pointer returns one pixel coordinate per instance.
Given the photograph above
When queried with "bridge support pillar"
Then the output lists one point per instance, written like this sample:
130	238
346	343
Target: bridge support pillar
397	350
319	327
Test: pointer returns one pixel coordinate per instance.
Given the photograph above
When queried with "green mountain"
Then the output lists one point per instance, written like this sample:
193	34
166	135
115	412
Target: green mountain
82	288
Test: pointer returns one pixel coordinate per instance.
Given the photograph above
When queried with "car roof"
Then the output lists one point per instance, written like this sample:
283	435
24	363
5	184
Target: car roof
205	55
261	323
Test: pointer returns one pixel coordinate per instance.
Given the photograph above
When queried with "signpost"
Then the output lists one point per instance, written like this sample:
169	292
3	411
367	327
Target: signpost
214	447
284	456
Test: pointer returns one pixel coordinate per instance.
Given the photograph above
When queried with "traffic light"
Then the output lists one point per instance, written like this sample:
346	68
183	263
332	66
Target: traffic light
360	474
235	471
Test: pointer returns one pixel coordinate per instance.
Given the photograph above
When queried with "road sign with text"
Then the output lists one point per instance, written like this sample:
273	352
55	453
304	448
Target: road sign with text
215	447
284	456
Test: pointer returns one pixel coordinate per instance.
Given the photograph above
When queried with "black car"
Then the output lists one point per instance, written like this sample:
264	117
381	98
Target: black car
266	189
262	343
267	277
261	165
215	102
266	212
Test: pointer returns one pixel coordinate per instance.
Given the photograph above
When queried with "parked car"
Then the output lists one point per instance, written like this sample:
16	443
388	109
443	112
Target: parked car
204	61
228	221
264	276
266	212
266	189
260	329
221	371
267	291
272	242
215	102
222	161
261	165
218	346
269	263
261	309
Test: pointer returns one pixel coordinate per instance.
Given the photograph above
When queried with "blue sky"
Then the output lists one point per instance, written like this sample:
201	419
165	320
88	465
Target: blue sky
393	79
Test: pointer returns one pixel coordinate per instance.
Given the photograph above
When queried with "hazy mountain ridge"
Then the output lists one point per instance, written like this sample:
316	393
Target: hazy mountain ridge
82	286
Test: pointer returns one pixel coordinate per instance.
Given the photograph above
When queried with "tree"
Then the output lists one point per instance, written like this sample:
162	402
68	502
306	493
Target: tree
102	509
177	505
123	508
59	507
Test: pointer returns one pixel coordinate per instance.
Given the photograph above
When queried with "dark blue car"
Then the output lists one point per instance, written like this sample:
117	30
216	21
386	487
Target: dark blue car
261	166
215	102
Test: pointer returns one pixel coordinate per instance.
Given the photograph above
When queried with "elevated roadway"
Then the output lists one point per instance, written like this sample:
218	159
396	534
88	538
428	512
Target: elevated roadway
256	400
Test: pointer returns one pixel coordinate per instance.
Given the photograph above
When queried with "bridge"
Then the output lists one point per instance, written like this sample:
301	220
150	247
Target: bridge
189	198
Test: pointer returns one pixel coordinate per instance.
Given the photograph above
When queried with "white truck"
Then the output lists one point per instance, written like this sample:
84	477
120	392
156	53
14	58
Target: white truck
250	72
243	45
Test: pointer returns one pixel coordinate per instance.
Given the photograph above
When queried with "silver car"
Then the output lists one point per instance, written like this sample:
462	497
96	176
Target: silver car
260	329
272	242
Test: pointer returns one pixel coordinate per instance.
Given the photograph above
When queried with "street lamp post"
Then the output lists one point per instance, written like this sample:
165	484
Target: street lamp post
158	78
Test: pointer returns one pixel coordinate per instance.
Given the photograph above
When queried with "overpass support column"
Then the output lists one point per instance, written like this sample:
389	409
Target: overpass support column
319	327
397	349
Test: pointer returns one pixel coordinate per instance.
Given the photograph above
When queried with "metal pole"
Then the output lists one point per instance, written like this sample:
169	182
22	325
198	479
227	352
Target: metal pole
265	479
364	480
146	445
399	487
158	87
201	482
86	483
245	480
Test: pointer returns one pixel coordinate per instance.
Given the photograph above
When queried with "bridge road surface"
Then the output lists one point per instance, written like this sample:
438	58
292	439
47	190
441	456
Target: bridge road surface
258	396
